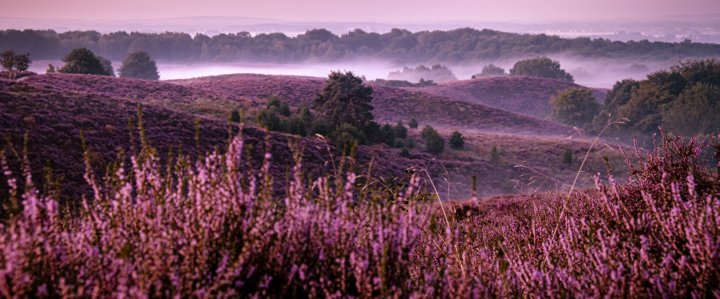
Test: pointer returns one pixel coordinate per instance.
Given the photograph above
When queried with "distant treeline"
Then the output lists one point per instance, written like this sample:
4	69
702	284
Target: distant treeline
402	46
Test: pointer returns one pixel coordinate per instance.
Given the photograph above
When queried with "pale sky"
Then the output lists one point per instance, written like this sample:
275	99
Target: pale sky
361	10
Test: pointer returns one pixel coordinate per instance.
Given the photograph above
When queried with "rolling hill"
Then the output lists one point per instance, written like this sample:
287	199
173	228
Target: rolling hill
523	95
438	108
54	109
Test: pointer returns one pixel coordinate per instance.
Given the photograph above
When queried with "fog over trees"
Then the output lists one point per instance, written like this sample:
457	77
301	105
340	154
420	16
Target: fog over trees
397	45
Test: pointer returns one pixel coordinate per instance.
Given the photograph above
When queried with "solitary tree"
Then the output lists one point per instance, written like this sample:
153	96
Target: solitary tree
574	106
107	65
83	61
457	141
540	67
13	63
490	70
7	58
434	144
139	65
346	100
400	130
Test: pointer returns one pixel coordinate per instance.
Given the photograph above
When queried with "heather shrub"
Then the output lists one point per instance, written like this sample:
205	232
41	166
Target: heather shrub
212	228
209	228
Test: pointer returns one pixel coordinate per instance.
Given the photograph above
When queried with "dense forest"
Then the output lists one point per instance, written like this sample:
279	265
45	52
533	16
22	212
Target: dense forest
402	46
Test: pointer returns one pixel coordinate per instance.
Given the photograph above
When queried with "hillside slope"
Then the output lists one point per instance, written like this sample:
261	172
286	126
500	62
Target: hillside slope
54	109
54	119
439	108
524	95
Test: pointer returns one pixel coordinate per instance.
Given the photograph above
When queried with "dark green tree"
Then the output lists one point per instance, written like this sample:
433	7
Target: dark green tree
22	62
574	106
107	65
413	124
388	134
139	65
7	59
490	70
695	111
83	61
567	157
346	101
620	94
457	140
13	63
348	137
540	67
280	107
270	119
400	130
235	116
434	143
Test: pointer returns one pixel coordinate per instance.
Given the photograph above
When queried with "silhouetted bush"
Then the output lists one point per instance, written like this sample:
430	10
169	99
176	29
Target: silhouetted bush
684	100
436	73
490	70
83	61
456	141
540	67
13	63
413	124
574	106
567	157
434	143
139	65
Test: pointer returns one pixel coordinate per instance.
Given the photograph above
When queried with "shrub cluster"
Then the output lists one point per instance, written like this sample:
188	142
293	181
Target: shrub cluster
13	63
684	100
424	75
540	67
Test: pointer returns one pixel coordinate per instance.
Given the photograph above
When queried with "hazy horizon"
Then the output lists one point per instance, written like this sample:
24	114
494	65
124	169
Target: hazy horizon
367	11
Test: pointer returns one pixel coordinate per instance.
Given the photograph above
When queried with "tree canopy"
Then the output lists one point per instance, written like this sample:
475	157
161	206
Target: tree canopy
574	106
139	65
490	70
683	100
434	143
345	100
421	73
540	67
402	46
457	140
12	62
83	61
